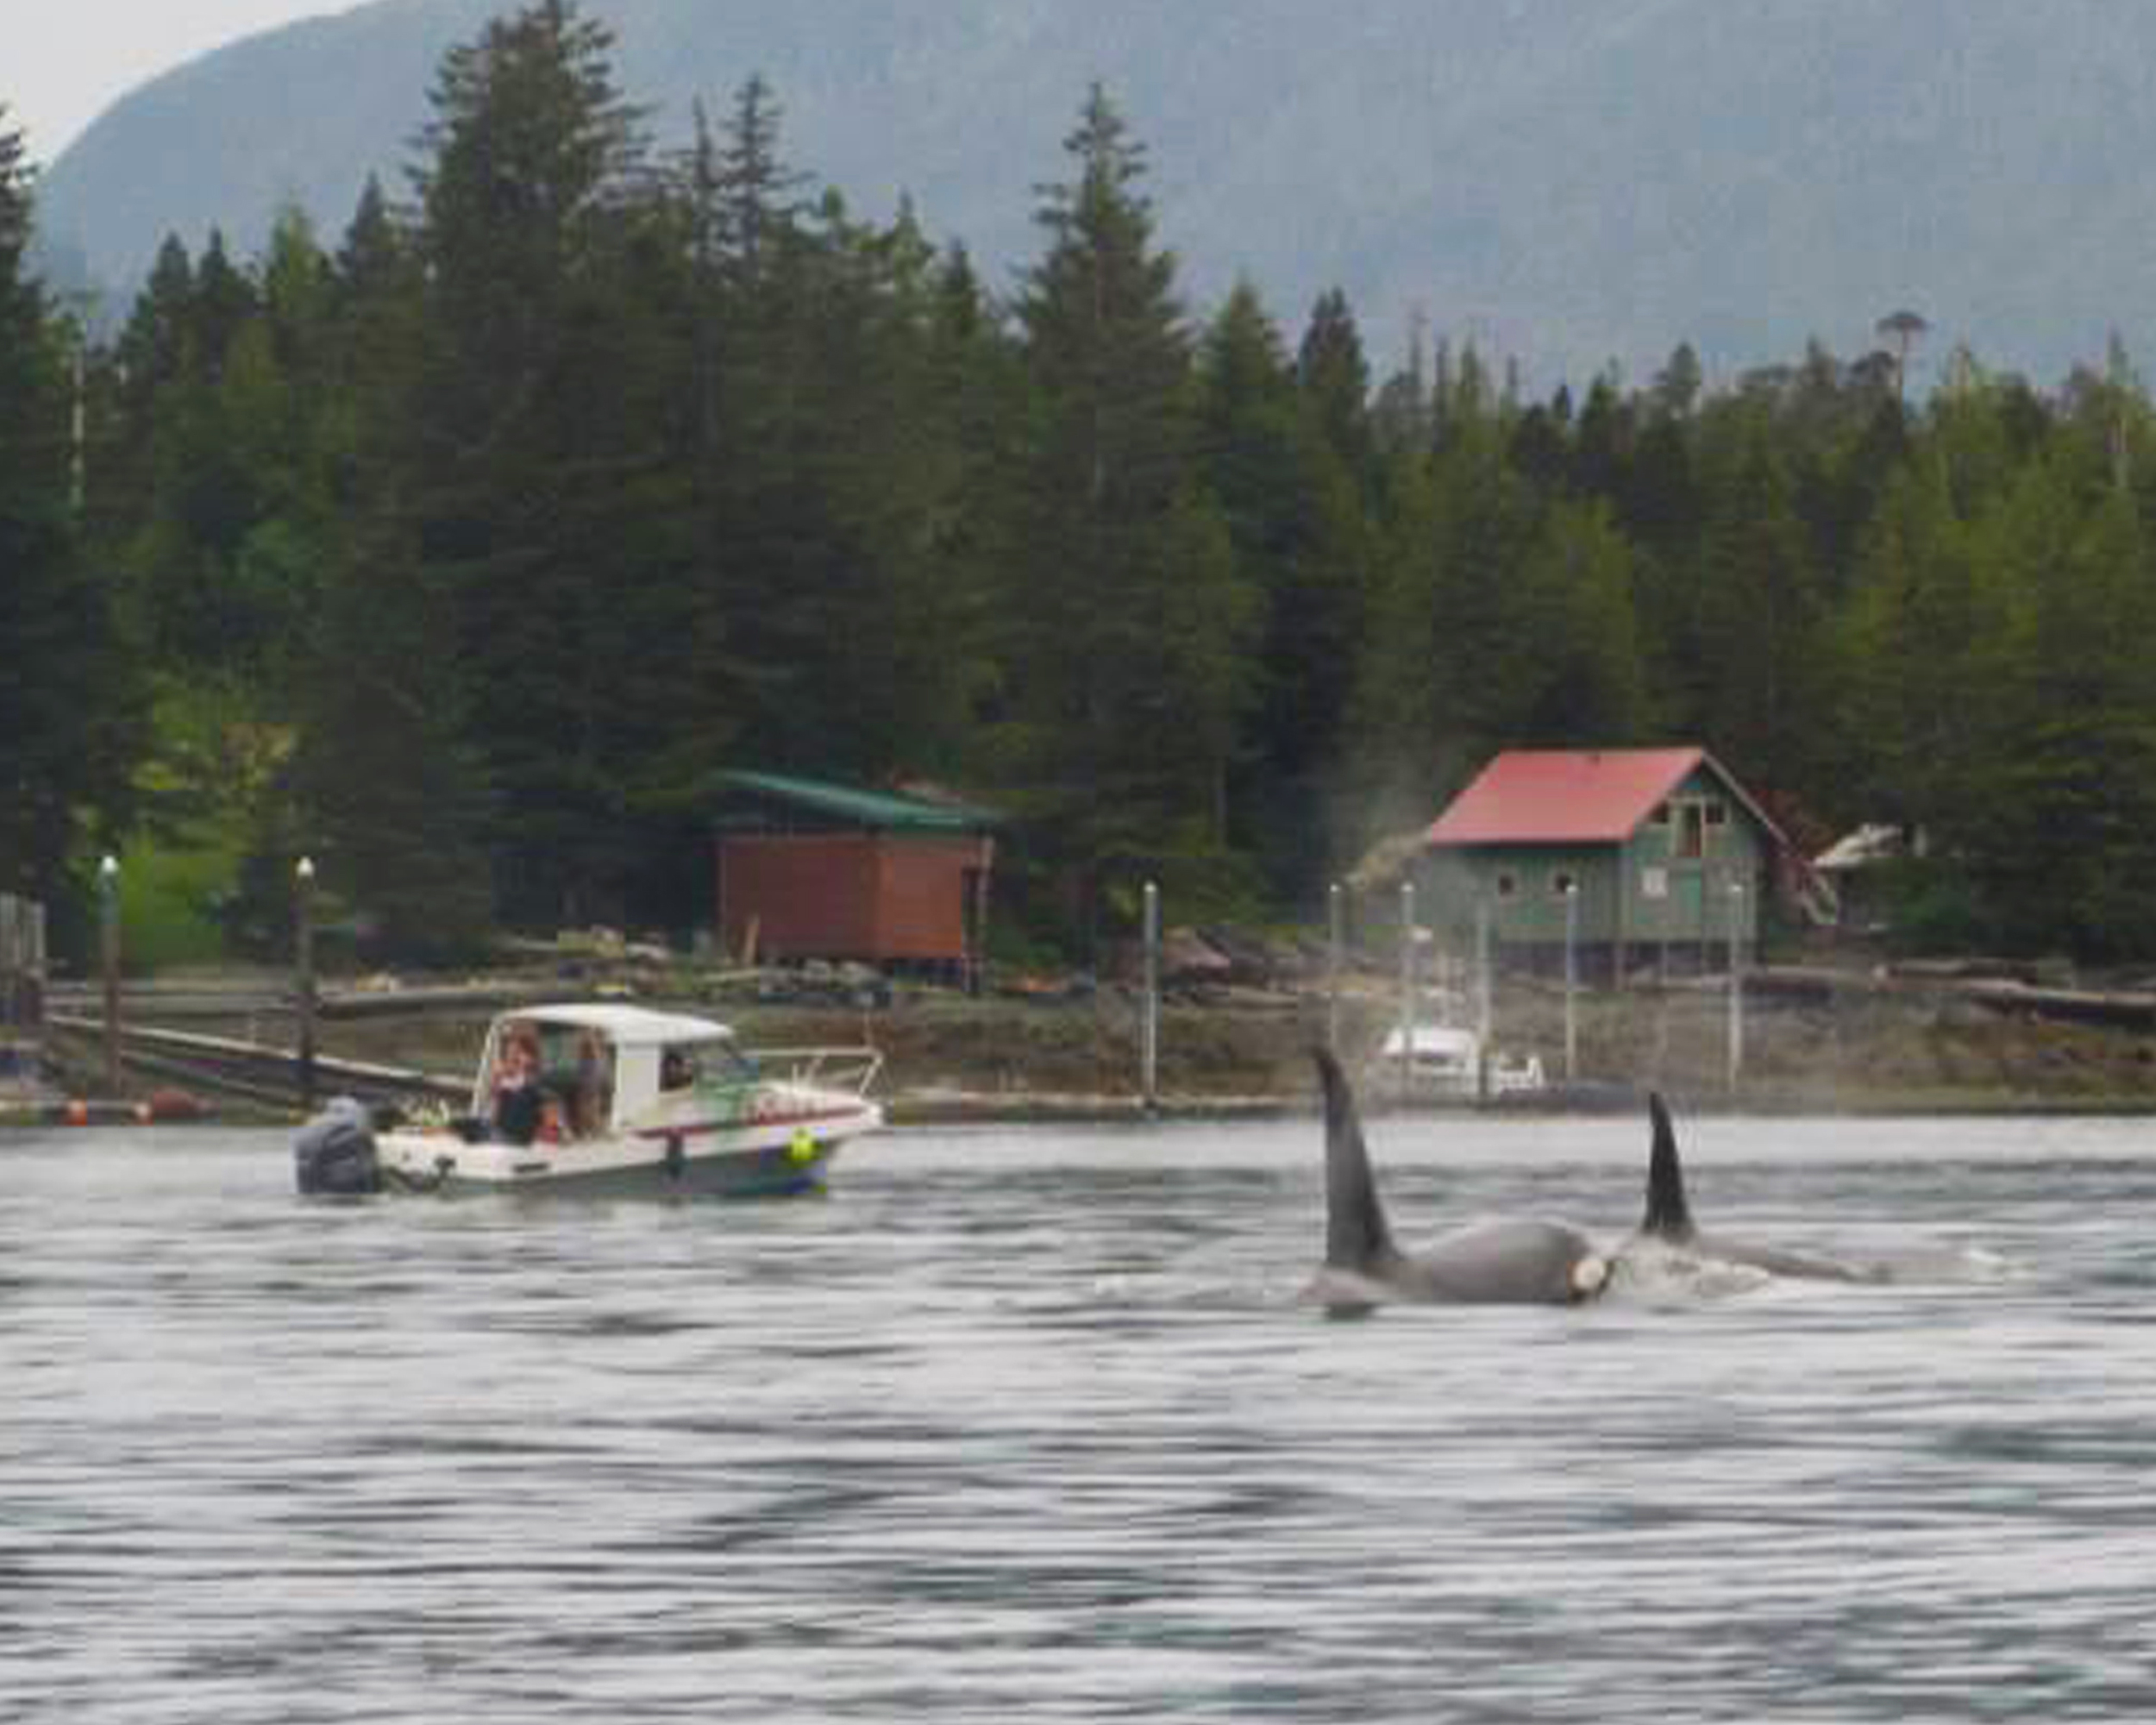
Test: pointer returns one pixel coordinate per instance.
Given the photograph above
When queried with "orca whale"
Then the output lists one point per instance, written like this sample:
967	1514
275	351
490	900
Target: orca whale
1668	1219
1507	1261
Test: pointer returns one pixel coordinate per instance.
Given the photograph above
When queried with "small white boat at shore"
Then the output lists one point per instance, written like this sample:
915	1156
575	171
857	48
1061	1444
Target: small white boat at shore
604	1098
1446	1063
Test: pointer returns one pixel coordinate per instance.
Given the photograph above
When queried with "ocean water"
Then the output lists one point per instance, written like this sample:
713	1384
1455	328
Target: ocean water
1030	1424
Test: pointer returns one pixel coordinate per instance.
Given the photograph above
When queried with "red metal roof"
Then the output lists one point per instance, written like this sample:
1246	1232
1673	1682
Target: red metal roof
1561	796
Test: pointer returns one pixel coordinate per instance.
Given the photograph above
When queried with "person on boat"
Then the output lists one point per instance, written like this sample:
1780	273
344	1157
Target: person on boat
519	1104
594	1094
552	1125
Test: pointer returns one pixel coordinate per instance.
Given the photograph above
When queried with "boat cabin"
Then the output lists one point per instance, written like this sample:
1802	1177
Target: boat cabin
1431	1063
1432	1060
556	1074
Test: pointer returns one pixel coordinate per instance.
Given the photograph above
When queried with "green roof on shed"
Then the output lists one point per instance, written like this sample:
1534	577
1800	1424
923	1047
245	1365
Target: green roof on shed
882	810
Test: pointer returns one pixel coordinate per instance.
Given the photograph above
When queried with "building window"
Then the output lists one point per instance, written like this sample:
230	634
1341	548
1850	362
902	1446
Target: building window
1691	831
1661	815
1563	884
1717	813
1508	883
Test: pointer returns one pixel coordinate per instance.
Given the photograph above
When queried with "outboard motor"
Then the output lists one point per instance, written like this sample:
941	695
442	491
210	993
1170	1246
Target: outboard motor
334	1154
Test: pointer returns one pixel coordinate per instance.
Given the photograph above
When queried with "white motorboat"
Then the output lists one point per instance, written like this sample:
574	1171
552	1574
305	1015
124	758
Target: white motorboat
609	1098
1432	1063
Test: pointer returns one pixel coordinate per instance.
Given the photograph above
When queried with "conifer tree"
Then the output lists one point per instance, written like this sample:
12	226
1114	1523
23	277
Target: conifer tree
973	376
1593	681
1602	447
153	352
1277	459
1120	570
1758	619
1914	640
385	749
900	616
212	544
2059	831
397	809
531	449
224	301
68	704
774	569
1335	377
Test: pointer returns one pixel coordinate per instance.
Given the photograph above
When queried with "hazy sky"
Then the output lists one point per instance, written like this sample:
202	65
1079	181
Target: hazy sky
64	59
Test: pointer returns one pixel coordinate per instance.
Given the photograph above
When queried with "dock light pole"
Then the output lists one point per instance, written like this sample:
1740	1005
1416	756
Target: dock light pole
303	957
109	928
1335	919
1736	984
1148	1054
1571	981
1483	1010
1407	990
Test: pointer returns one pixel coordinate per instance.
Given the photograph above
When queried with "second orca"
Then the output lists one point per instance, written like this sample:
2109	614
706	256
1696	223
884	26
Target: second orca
1668	1220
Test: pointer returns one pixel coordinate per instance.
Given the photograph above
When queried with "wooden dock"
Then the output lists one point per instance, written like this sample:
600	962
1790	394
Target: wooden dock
265	1074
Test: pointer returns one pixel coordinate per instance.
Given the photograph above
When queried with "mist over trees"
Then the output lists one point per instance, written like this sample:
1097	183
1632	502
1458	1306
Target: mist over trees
461	551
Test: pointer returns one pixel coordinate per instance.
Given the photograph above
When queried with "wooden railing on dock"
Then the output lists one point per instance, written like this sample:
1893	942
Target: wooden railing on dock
22	963
260	1072
21	998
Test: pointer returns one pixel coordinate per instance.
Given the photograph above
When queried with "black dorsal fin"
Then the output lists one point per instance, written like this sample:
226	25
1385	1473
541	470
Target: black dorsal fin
1669	1217
1356	1237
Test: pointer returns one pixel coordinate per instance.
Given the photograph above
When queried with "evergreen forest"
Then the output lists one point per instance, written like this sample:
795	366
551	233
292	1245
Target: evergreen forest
461	550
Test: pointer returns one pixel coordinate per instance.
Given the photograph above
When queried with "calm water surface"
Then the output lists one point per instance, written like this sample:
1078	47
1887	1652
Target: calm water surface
1029	1425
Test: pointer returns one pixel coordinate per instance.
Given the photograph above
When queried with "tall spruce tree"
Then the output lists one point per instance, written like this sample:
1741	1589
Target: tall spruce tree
1126	617
1335	376
152	354
395	804
2060	832
532	445
1593	683
1914	635
68	704
777	575
1760	620
895	630
1277	457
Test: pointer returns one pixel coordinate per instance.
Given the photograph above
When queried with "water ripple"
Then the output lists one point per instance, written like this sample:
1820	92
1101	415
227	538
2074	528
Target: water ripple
1031	1424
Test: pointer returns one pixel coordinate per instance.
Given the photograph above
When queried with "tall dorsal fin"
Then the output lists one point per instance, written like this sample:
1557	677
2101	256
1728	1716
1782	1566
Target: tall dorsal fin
1669	1217
1355	1236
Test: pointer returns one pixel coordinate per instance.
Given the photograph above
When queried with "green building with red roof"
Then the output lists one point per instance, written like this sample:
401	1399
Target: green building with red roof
1661	855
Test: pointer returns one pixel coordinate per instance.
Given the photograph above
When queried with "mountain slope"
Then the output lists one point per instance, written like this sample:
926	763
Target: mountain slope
1569	180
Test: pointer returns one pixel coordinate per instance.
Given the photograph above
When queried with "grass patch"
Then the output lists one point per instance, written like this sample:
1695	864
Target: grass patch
167	896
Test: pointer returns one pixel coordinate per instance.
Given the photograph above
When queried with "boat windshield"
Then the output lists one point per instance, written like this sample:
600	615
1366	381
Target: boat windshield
715	1062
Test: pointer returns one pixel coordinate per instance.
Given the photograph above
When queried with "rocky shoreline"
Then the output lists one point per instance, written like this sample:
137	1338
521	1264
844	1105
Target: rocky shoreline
1843	1040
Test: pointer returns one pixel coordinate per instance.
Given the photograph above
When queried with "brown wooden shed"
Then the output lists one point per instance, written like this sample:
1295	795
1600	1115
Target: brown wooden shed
808	869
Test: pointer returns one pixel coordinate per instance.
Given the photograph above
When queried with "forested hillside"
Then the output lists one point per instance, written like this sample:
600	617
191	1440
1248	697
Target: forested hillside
1570	181
459	546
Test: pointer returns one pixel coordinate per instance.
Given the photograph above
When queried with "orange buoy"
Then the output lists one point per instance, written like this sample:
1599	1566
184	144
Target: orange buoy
78	1112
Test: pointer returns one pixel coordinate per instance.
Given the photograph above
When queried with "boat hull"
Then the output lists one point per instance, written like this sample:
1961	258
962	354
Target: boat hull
771	1162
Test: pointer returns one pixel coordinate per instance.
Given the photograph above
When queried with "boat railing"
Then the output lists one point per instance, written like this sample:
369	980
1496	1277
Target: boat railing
852	1069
